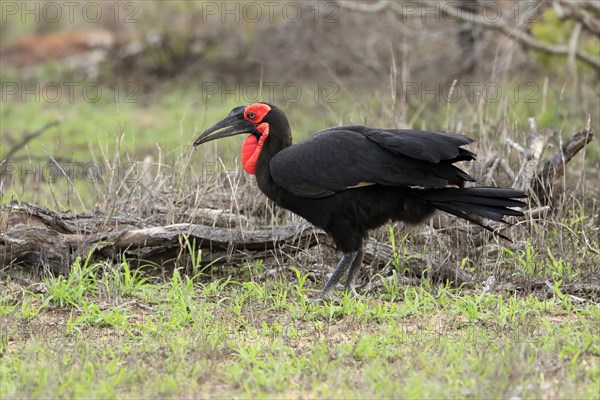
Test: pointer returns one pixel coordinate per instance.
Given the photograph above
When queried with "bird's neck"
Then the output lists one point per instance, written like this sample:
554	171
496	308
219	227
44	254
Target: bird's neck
279	138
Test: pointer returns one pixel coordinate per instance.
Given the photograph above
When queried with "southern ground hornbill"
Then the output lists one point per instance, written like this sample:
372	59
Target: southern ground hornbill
350	179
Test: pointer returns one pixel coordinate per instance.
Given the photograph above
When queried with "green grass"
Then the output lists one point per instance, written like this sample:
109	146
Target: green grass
110	331
144	121
228	338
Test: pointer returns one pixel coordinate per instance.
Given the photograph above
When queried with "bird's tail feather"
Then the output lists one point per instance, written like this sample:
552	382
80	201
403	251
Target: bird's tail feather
488	202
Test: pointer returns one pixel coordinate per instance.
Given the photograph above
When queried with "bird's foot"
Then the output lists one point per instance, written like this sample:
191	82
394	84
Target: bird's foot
328	298
323	298
354	294
319	301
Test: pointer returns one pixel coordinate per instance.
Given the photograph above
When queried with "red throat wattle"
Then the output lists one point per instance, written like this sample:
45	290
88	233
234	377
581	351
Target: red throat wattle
252	147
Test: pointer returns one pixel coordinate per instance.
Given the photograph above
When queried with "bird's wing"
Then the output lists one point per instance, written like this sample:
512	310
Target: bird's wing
430	146
348	157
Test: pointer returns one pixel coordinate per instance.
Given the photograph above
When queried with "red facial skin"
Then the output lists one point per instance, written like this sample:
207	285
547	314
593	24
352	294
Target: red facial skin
256	112
252	146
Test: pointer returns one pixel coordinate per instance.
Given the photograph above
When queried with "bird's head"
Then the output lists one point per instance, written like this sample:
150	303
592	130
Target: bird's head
255	120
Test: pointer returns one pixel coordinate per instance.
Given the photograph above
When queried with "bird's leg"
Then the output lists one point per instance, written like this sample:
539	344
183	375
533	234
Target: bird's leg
342	266
353	270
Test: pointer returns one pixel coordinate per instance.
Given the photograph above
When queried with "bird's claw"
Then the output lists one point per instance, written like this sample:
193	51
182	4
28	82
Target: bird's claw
319	301
328	298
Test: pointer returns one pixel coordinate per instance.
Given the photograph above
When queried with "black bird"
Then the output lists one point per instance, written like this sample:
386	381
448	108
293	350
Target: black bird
347	180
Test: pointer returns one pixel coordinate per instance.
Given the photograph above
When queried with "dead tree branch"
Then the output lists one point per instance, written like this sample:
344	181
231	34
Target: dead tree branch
41	241
555	166
565	9
456	13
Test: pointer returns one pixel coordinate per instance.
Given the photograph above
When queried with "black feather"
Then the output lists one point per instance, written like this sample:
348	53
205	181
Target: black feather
334	160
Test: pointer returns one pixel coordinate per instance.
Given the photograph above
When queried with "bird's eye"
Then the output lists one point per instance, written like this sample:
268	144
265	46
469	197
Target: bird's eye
251	115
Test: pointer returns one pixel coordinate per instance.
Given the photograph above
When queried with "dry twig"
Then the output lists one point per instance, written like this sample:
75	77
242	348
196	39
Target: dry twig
29	137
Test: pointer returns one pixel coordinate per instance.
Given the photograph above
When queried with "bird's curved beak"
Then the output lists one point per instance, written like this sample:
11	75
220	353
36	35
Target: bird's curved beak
233	124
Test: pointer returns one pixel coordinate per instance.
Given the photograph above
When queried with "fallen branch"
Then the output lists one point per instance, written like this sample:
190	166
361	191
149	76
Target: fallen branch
590	290
41	240
417	264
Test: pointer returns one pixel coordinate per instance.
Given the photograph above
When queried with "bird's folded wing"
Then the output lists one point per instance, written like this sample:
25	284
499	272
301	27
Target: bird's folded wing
433	147
344	158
